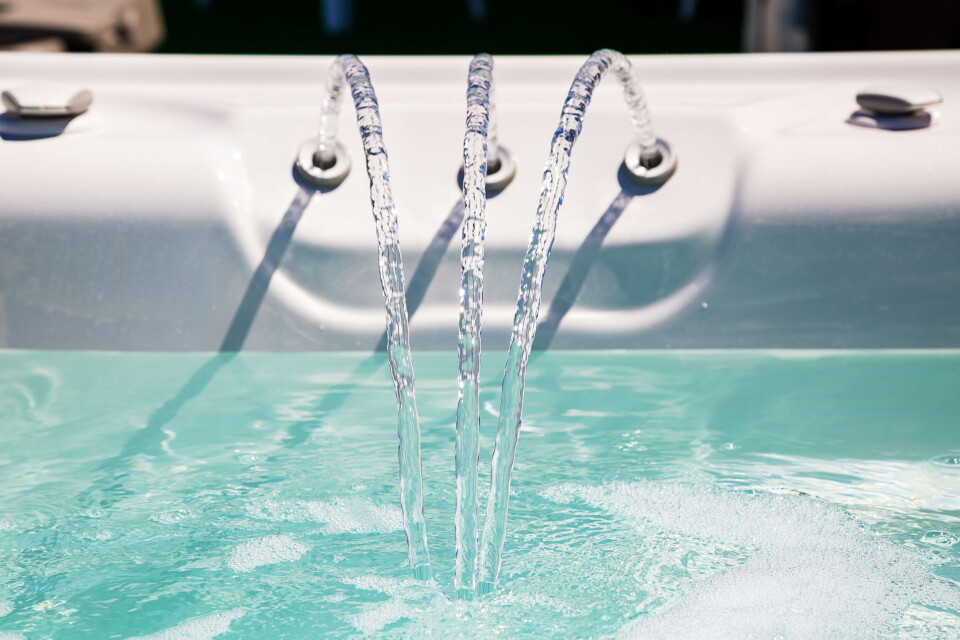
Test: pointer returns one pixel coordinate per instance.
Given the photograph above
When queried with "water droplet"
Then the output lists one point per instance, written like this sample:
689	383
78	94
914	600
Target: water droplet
950	460
940	538
704	305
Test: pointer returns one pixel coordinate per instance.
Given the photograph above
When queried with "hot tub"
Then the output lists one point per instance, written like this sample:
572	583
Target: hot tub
741	415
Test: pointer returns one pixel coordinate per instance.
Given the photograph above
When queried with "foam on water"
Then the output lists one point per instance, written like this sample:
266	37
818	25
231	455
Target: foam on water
12	635
266	550
810	570
203	628
380	615
340	515
407	599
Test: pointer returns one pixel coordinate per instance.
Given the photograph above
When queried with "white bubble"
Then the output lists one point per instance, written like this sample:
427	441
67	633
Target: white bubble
340	515
380	615
407	599
809	569
266	550
203	628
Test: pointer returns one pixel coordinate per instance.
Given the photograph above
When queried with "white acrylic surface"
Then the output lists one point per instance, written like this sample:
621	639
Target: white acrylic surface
141	223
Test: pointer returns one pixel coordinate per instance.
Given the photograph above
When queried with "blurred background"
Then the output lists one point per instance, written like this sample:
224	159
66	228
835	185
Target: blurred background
468	26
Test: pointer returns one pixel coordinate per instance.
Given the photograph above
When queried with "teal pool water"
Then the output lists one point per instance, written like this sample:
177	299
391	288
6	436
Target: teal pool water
655	495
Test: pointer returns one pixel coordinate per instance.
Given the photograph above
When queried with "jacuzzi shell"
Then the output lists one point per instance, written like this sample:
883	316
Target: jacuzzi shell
155	220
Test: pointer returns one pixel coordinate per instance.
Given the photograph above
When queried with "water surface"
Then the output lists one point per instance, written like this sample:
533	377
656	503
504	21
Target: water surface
657	494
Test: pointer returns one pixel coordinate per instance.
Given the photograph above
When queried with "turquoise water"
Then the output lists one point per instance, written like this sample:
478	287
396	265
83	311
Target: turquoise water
655	495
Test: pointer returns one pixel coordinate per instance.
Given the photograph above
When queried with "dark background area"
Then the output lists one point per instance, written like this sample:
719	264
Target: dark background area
411	27
560	26
449	27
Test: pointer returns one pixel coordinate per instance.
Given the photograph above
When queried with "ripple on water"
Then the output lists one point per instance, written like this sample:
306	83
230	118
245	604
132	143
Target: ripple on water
951	460
940	538
25	394
172	517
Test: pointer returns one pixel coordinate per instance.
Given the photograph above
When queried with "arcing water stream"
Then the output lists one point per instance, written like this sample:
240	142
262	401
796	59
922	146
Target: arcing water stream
531	282
348	69
480	147
478	144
